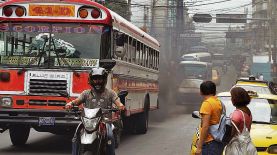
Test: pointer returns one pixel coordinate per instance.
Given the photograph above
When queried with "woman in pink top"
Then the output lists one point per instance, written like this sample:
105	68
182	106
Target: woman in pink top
240	100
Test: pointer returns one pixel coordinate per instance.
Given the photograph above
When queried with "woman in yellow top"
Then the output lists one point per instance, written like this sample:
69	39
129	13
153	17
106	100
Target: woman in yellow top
210	112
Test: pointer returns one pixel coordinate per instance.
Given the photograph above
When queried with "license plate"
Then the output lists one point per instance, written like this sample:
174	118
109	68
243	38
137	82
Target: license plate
50	121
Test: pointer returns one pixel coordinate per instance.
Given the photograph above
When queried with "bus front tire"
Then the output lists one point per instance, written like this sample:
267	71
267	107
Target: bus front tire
19	134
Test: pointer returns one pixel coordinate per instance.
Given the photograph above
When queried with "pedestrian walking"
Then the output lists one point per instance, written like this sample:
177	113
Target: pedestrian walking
241	118
210	112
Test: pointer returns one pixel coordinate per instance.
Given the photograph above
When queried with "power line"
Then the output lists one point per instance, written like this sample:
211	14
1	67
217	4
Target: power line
211	3
172	6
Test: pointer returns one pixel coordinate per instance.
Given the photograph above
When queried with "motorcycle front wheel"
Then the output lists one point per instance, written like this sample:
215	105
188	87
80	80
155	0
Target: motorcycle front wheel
93	149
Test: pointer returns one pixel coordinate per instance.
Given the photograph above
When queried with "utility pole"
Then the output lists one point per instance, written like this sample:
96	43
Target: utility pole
145	18
179	26
273	28
272	37
152	17
129	10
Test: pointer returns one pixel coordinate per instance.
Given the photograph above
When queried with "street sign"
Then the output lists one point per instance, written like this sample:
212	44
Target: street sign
202	18
231	18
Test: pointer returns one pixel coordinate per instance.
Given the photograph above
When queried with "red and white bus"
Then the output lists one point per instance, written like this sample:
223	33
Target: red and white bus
47	49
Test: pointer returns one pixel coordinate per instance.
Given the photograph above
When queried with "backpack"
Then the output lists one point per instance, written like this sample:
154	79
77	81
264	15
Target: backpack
241	143
222	131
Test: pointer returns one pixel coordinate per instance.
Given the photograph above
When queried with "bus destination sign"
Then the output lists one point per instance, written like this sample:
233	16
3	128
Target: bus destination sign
52	10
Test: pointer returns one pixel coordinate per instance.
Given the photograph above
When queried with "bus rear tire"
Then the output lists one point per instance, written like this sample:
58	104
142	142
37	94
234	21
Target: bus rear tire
19	134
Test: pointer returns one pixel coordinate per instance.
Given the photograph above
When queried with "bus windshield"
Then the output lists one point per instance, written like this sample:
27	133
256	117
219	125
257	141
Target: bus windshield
194	71
52	45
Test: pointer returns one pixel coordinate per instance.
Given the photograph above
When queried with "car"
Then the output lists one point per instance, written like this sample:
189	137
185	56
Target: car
259	86
264	127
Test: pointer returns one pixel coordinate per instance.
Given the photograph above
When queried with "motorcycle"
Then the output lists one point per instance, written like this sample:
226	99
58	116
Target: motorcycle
93	134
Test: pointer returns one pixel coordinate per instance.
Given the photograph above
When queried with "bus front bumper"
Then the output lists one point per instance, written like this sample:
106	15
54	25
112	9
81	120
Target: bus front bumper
34	117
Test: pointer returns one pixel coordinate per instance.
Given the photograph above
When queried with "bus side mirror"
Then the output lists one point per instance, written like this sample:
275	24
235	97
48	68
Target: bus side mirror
120	51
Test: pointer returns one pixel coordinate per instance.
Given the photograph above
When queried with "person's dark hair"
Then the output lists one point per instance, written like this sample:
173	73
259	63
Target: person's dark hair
240	97
208	88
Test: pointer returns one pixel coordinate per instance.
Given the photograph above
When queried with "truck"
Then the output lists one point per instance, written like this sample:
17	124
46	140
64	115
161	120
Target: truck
261	65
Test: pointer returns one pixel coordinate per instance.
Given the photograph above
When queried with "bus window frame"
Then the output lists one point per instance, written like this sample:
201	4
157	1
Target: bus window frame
138	53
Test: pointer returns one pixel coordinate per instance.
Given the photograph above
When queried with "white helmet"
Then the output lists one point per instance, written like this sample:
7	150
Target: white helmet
98	79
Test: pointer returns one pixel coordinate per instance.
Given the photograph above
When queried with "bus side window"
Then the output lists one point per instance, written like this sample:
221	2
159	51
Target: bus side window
129	48
147	56
126	56
138	54
141	54
158	60
151	58
155	59
133	49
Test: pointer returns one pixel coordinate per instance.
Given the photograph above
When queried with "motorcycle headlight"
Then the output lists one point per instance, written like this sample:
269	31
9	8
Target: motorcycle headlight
90	124
6	102
272	149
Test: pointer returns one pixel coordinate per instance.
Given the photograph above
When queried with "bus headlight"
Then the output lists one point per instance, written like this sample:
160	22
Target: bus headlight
6	102
272	149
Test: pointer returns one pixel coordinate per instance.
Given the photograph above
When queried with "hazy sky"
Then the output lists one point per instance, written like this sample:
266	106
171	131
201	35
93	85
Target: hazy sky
196	6
237	5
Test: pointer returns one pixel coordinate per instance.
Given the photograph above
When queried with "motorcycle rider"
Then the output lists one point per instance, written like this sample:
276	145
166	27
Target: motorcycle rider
99	96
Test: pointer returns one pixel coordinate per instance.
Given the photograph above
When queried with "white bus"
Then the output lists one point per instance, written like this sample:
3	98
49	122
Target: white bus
201	56
193	73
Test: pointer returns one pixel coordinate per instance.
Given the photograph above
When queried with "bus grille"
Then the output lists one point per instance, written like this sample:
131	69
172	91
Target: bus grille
47	87
47	103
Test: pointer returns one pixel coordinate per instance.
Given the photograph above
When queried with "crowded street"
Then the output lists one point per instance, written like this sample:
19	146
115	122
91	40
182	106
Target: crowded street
170	136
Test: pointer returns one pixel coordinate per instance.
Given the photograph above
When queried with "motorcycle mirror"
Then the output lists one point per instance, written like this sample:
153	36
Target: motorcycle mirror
195	114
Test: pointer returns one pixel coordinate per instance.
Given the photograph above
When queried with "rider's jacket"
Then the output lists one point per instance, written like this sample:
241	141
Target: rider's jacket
91	99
